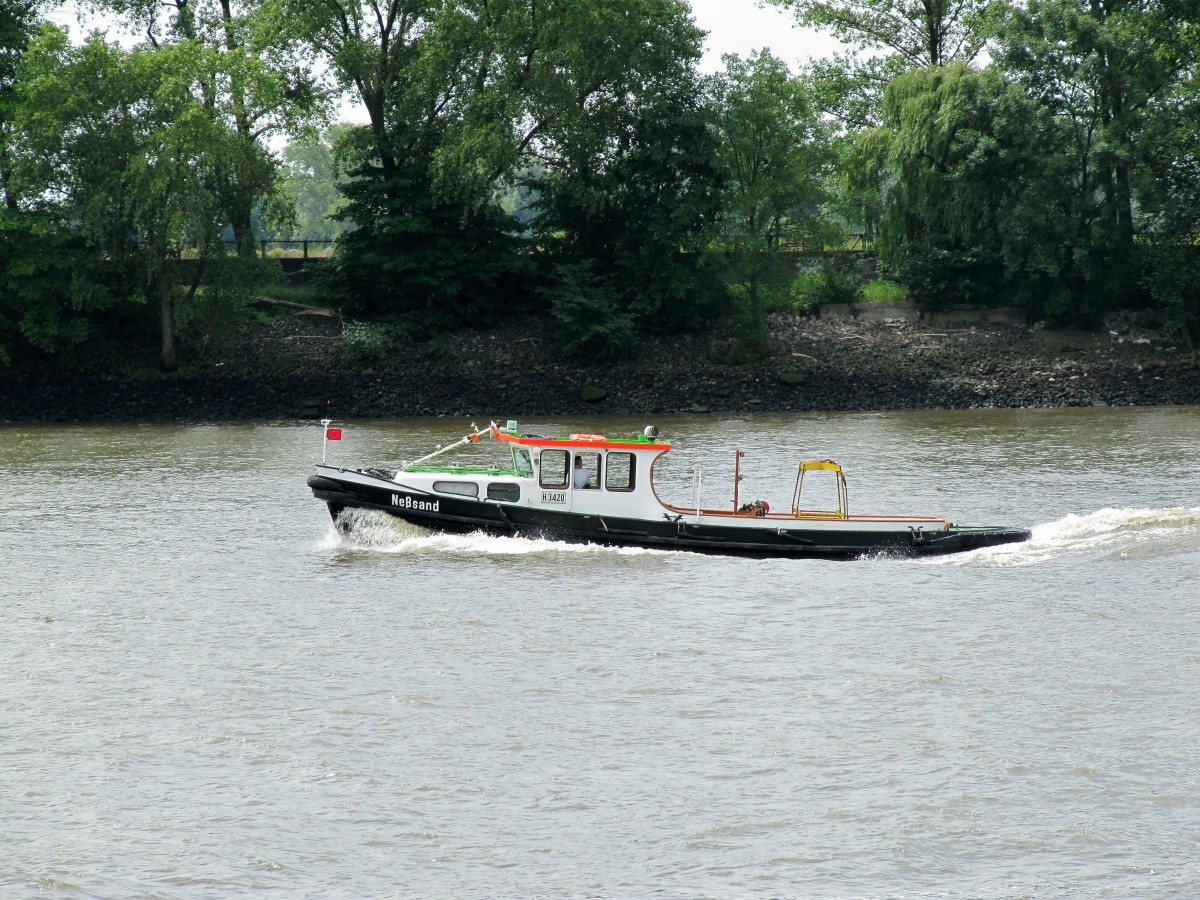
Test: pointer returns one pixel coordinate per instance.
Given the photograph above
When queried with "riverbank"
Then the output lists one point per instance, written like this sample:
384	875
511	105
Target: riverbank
304	367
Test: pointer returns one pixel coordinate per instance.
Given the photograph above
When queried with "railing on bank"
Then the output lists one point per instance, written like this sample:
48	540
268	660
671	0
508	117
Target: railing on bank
319	247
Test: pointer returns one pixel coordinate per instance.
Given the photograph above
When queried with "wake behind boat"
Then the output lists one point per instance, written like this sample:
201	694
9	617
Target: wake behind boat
591	488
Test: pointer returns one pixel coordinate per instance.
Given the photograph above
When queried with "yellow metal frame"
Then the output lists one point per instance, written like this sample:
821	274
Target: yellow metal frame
821	465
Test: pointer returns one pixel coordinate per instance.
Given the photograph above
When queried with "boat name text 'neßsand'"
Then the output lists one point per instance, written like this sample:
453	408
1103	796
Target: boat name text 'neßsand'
404	501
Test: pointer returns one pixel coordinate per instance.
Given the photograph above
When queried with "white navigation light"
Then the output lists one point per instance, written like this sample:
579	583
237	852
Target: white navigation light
651	431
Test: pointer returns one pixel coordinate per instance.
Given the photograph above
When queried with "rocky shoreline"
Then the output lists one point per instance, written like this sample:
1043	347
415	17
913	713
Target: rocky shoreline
298	367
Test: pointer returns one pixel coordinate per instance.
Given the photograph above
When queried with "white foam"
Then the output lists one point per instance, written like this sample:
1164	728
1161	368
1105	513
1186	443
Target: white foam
1108	533
381	533
1105	534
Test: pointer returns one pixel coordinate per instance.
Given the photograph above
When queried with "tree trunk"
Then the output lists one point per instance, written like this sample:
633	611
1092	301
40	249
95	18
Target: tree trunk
9	200
166	307
243	231
1124	203
241	209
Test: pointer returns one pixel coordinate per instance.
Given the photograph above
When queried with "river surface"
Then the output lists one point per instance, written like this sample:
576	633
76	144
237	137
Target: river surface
208	693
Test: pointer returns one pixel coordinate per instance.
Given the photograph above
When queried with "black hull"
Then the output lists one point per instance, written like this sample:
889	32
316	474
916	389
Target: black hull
452	514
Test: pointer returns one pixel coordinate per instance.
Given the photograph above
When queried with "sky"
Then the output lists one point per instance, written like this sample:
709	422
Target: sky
742	26
733	26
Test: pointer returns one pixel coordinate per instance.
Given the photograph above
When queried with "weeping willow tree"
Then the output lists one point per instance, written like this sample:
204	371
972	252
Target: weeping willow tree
972	194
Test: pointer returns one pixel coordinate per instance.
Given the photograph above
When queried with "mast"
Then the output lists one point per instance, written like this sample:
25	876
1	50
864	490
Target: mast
737	476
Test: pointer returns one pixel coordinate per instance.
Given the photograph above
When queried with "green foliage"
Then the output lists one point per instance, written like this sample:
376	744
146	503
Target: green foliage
840	280
1115	78
414	252
804	291
218	307
462	98
978	212
588	309
309	295
640	219
1170	271
834	279
774	153
566	156
17	26
312	176
884	40
919	33
947	277
120	147
35	288
364	343
260	84
882	291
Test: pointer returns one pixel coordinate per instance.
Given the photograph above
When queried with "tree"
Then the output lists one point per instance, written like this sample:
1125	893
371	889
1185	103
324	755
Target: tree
493	76
312	173
463	96
981	202
887	38
419	240
920	32
17	21
774	152
1107	72
1168	190
49	289
435	261
630	226
120	147
262	88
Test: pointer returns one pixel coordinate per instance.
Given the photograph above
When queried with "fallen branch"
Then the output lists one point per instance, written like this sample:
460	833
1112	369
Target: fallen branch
532	341
302	308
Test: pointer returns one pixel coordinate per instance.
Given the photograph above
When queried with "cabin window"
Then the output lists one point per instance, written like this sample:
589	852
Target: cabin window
508	491
585	471
521	462
620	472
462	488
555	468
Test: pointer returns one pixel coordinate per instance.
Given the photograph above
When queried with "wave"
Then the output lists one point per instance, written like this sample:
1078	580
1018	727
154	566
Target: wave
378	532
1108	533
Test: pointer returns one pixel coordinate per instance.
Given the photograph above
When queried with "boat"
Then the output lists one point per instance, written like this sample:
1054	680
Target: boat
591	488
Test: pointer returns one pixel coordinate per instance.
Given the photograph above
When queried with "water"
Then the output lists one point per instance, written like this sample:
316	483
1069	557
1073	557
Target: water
207	693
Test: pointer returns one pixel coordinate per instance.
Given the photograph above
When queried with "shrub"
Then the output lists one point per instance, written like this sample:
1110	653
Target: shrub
365	343
835	279
591	321
884	292
804	292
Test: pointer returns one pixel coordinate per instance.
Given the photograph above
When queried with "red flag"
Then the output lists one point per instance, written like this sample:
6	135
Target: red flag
333	434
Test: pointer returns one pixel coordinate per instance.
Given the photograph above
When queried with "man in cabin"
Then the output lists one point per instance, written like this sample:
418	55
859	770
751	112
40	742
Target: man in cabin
580	478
